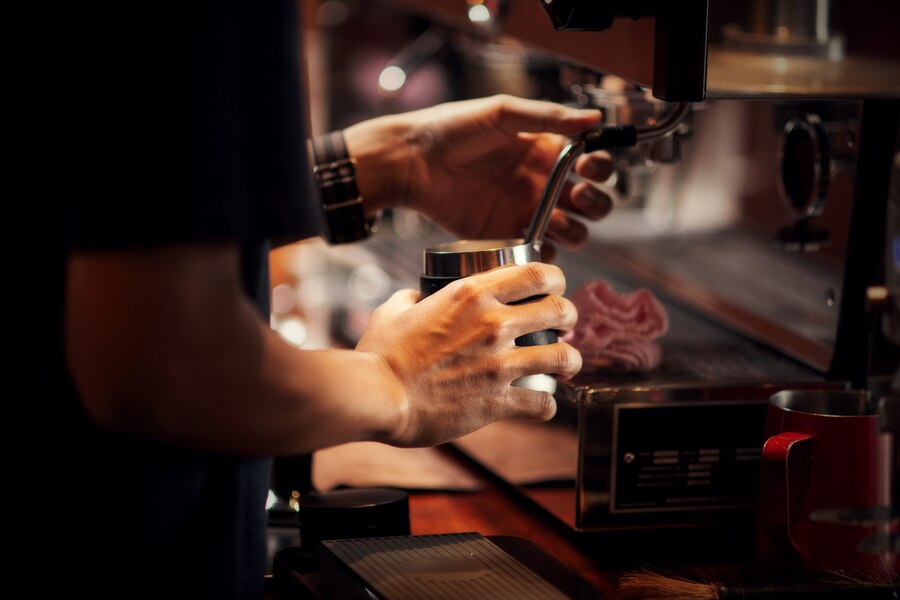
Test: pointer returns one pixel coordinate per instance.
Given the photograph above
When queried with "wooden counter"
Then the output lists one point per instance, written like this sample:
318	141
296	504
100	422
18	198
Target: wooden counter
498	510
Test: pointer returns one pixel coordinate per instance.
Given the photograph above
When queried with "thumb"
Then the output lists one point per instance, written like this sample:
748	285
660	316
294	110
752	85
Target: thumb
516	115
399	303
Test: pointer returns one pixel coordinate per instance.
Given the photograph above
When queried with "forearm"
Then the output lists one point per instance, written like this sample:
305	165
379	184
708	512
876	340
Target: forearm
195	365
275	399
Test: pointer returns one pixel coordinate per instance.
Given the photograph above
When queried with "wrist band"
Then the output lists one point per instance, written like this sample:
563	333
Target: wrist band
342	206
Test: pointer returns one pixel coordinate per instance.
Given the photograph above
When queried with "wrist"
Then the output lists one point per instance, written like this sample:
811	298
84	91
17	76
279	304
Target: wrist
393	415
343	217
389	166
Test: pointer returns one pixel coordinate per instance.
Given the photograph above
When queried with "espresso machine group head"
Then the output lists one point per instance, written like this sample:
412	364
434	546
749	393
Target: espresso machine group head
680	44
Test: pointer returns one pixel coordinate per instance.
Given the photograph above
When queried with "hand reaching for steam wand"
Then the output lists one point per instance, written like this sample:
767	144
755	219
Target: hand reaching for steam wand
478	167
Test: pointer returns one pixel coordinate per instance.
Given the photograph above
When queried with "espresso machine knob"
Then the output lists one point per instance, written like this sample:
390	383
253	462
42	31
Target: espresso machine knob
680	41
805	169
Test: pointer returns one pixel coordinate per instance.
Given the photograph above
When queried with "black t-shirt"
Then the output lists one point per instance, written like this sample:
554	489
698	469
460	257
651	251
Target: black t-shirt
137	124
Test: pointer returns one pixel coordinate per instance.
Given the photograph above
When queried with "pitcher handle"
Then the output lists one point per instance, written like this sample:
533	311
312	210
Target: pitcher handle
783	455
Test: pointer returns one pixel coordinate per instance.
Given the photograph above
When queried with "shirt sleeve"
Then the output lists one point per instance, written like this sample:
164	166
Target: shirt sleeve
185	122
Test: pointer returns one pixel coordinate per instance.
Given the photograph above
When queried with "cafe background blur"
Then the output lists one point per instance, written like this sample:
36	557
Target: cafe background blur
367	58
322	295
701	216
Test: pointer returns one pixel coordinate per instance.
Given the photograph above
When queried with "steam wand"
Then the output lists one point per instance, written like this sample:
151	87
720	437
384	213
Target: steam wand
611	136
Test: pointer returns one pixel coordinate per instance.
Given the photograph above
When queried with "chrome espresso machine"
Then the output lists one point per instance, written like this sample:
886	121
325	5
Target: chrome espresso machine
760	222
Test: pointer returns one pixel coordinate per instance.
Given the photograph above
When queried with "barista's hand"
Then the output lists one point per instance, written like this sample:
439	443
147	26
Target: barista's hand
478	167
453	357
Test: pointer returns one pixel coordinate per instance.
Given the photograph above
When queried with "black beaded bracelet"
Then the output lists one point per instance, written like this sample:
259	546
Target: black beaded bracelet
342	205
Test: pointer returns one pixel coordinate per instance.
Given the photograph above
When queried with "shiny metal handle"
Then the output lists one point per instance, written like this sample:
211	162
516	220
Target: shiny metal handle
614	136
541	219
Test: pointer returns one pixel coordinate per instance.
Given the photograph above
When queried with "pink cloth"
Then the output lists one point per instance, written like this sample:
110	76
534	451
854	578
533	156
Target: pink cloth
617	331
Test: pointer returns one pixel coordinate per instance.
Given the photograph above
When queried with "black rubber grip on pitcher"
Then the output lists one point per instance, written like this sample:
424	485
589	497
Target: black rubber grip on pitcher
429	285
537	338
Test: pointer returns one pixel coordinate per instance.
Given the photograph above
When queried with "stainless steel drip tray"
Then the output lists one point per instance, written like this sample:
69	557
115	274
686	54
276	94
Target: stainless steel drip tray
708	365
700	352
787	301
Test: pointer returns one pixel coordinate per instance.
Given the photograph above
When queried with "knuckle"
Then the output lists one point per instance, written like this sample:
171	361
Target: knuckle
502	403
563	358
536	274
545	406
494	371
493	329
502	102
561	309
558	112
501	108
465	291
